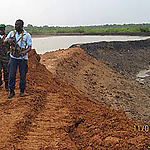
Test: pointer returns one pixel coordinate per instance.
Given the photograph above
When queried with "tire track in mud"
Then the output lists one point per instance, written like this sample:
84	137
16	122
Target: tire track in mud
22	127
47	131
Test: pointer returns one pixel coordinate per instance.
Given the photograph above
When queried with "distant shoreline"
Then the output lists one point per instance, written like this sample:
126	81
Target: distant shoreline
85	34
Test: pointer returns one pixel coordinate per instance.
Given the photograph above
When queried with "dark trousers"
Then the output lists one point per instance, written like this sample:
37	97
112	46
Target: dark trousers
4	66
12	70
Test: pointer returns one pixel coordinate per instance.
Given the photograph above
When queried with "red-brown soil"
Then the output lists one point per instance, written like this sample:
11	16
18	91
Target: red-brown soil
100	83
54	115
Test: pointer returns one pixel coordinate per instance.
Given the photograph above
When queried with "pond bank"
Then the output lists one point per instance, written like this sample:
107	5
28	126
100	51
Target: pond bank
82	34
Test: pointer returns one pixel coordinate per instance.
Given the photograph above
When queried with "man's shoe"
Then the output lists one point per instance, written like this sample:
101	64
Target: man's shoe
7	89
22	94
11	94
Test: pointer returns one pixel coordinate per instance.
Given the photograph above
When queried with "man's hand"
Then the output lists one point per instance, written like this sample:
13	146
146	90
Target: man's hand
22	53
10	40
25	51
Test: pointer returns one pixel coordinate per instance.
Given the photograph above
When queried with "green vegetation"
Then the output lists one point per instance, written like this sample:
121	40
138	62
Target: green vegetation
110	47
125	28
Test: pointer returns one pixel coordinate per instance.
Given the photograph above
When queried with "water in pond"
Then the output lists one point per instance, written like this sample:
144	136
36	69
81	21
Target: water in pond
53	43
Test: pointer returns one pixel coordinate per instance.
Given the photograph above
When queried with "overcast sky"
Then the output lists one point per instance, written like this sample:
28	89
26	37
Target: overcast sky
75	12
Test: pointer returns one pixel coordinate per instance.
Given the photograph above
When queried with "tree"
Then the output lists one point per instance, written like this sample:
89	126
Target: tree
144	29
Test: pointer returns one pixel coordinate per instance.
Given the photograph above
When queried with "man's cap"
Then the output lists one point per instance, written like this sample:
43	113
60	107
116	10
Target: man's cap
2	26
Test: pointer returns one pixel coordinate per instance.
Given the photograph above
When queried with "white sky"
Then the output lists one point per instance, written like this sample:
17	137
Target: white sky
75	12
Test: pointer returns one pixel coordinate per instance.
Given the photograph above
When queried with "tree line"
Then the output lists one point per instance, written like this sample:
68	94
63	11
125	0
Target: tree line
108	28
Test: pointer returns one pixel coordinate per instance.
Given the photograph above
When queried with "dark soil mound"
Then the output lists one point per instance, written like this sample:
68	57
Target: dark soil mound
127	58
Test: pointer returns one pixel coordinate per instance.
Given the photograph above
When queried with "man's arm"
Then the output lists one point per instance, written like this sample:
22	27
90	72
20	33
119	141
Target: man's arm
9	38
29	44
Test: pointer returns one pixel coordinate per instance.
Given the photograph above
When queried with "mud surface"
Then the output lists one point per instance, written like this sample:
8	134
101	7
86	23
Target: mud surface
55	115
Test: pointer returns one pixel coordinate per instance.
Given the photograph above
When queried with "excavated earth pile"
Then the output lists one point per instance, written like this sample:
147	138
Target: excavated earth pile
54	115
126	57
100	83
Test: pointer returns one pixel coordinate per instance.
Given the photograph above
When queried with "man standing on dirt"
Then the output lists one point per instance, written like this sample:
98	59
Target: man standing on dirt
4	57
21	44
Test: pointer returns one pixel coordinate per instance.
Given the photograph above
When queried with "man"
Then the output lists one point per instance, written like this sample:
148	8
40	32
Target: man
4	57
21	43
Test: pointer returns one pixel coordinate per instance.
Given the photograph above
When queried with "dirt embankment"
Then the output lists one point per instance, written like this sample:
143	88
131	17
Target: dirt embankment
54	115
100	83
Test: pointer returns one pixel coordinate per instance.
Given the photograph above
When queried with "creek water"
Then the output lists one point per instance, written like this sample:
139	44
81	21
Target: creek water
53	43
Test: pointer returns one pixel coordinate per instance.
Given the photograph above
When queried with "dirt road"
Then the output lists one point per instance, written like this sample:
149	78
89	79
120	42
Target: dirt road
54	115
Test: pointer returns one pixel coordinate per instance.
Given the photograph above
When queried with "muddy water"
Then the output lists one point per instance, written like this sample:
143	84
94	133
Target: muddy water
53	43
143	73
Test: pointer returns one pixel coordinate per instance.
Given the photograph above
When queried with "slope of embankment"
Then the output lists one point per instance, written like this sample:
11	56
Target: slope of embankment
100	83
55	116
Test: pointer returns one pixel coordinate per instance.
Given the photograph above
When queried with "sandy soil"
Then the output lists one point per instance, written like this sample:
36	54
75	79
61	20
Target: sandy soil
100	83
54	115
